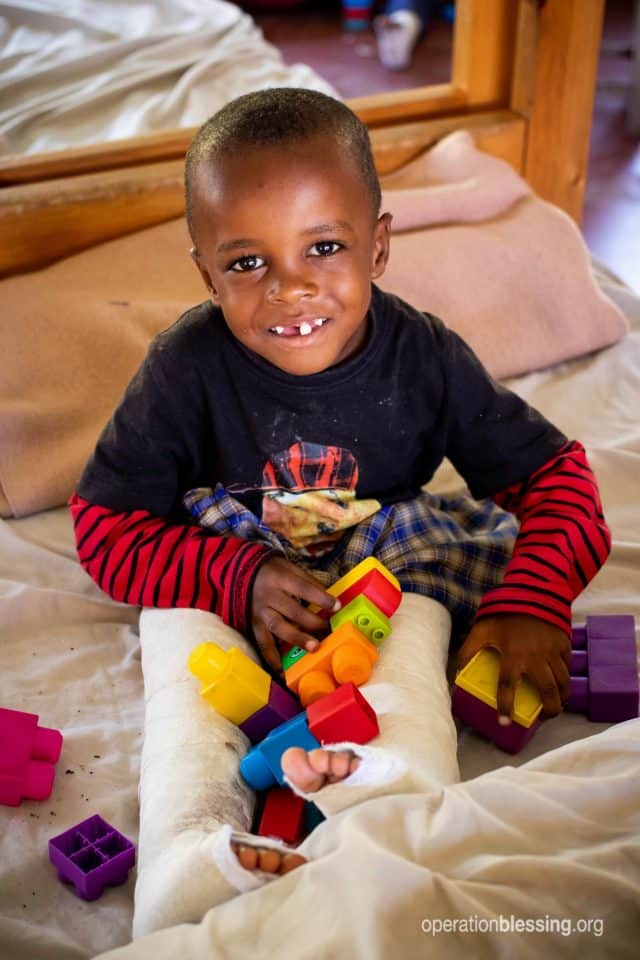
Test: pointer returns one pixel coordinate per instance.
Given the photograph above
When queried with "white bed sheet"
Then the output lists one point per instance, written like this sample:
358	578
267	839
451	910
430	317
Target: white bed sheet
71	655
73	72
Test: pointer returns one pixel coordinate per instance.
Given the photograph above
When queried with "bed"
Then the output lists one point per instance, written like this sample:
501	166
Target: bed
548	838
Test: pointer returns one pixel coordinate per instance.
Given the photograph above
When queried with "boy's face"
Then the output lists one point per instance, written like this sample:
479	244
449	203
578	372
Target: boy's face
287	244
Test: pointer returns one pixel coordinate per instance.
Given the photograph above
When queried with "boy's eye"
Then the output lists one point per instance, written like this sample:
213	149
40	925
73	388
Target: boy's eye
244	264
324	248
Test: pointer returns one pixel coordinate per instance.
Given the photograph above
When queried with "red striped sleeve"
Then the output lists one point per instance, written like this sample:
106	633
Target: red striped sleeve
141	559
562	543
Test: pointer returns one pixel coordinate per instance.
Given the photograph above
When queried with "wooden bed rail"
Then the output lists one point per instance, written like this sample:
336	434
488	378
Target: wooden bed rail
523	81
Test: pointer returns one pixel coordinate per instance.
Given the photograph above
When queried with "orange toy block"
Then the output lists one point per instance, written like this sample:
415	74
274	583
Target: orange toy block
345	656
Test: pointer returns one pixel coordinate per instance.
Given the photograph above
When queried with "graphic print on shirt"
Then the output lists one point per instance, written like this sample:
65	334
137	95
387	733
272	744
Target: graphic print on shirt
309	495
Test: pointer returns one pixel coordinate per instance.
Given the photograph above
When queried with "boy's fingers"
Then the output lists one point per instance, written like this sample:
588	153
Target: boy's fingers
507	683
547	686
302	585
287	631
267	646
563	680
474	642
297	614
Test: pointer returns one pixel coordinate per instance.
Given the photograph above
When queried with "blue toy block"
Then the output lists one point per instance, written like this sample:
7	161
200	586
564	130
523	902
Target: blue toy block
261	766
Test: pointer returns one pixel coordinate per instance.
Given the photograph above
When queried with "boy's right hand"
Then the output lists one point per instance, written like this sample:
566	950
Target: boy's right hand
276	612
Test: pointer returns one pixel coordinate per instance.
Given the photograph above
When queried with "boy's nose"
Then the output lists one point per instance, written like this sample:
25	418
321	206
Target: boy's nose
290	288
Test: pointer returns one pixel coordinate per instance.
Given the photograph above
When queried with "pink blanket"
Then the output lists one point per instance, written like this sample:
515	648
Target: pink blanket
472	244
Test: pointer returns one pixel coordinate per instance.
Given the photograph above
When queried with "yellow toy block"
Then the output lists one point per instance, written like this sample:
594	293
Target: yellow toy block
480	678
231	682
345	656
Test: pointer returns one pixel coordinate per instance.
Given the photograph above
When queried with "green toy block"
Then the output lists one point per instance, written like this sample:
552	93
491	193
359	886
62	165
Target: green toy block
292	656
364	615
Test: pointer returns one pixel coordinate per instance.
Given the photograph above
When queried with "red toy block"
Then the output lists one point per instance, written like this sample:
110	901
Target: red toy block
283	816
376	588
343	715
27	757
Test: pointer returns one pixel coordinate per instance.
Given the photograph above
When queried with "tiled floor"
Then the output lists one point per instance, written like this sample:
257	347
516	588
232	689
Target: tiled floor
611	221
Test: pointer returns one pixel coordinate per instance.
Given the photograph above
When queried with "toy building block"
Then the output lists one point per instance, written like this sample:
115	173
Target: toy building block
241	690
92	855
474	701
283	816
363	614
281	706
359	580
261	767
604	677
28	754
377	588
345	656
344	717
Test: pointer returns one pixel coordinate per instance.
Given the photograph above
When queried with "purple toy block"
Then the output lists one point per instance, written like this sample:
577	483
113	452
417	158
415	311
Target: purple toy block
613	693
484	719
578	701
613	669
579	666
281	706
579	636
27	757
92	855
620	625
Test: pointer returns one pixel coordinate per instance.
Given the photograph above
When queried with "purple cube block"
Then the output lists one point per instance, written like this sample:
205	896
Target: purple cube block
484	719
613	693
613	669
92	855
619	625
282	706
578	701
579	636
579	666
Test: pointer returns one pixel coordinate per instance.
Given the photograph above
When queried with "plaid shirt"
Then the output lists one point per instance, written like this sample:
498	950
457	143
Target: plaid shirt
453	549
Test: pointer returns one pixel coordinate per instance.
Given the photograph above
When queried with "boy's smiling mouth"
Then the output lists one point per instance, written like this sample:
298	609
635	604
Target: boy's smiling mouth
304	328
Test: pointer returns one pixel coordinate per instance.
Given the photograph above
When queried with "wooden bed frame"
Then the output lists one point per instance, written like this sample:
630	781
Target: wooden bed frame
523	81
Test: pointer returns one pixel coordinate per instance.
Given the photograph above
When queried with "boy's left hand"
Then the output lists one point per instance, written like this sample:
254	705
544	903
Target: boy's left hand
526	646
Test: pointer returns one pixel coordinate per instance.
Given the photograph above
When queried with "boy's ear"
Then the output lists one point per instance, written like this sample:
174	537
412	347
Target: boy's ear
381	241
204	273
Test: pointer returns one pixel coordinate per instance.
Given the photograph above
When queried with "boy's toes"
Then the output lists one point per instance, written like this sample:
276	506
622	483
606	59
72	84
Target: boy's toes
267	859
290	861
309	771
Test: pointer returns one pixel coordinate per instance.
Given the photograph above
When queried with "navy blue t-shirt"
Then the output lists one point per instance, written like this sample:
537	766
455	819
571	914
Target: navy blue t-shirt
203	409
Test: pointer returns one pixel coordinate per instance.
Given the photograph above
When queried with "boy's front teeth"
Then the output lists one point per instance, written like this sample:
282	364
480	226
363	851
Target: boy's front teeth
303	329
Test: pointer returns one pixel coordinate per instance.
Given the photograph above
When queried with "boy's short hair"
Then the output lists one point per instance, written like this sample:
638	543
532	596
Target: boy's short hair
280	115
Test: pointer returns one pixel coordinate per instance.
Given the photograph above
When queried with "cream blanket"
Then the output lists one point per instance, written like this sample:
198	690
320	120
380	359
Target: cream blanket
506	270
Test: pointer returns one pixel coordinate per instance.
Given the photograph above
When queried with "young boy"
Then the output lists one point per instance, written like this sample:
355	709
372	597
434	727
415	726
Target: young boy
317	407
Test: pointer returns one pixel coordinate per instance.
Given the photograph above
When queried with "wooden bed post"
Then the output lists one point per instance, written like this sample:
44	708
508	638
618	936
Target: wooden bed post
557	142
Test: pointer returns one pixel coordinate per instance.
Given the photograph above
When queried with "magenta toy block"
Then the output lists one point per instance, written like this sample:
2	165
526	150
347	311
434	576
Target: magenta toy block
27	757
579	636
579	666
578	701
281	706
484	719
92	855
